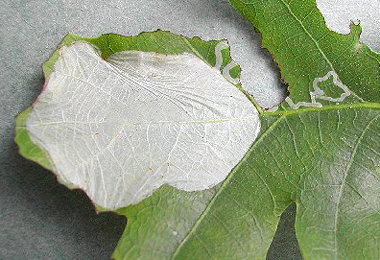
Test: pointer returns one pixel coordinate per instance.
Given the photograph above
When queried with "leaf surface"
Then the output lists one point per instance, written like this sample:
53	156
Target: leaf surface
320	149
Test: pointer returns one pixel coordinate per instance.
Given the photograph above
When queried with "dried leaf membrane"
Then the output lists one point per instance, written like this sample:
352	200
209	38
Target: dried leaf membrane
121	128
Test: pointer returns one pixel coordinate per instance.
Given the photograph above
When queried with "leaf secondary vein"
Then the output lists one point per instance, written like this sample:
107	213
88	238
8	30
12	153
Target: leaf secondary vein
354	152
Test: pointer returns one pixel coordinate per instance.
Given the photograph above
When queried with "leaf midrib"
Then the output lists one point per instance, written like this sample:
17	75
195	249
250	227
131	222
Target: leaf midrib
363	105
225	183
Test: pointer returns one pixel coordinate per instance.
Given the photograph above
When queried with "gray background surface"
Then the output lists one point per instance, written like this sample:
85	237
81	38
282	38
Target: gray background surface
41	219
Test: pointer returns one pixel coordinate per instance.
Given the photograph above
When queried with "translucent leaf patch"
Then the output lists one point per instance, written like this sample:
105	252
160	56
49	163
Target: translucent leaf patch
122	127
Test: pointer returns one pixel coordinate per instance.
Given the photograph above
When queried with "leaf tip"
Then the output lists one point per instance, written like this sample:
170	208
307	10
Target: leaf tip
356	29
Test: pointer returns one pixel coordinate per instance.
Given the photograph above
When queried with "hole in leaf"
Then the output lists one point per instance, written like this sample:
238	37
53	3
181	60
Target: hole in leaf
285	245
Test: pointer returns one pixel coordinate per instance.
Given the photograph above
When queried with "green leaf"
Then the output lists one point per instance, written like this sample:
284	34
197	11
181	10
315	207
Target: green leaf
304	48
323	156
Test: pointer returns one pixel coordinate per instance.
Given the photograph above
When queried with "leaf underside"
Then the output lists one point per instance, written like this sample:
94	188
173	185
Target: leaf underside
325	158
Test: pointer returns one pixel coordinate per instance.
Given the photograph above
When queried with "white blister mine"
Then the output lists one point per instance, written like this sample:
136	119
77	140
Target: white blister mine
121	128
